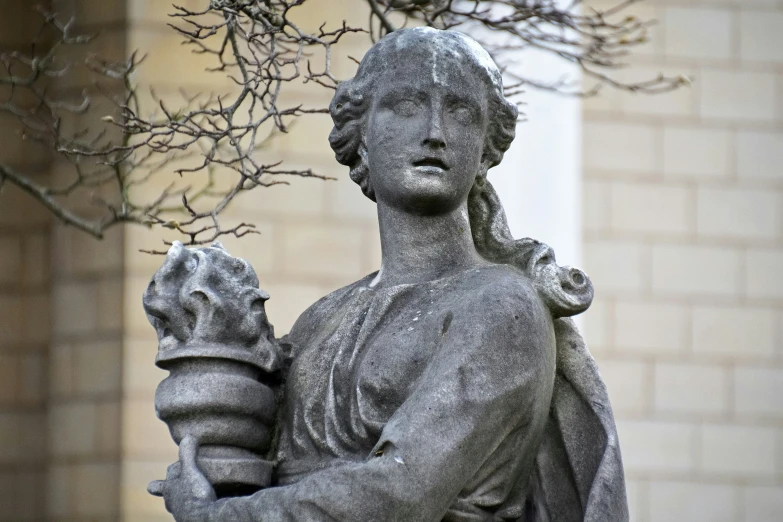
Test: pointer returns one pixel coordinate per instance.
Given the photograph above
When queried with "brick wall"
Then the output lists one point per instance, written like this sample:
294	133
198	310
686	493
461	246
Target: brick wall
85	356
683	221
683	202
24	312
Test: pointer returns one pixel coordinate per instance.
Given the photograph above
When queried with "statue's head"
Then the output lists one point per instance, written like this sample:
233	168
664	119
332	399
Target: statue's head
423	120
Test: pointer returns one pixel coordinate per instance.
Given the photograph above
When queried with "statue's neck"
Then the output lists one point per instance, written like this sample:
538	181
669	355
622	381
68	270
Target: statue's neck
417	248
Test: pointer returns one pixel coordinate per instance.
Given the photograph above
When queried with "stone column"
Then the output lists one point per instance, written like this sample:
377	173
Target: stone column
85	363
24	306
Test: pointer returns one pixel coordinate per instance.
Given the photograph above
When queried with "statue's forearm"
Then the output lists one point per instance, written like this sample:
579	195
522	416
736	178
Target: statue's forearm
380	489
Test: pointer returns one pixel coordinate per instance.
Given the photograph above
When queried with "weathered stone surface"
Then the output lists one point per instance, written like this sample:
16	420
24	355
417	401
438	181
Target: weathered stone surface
448	385
214	338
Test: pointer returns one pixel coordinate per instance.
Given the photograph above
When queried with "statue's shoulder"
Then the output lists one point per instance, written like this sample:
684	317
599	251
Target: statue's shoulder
500	307
500	292
501	278
327	307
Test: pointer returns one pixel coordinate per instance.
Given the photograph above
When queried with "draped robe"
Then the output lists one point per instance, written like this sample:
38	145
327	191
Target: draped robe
458	399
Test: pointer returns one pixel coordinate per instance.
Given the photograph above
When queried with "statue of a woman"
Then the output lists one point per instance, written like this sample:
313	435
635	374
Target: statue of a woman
449	385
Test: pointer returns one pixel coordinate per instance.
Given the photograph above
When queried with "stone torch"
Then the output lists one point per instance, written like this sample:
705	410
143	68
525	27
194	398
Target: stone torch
214	339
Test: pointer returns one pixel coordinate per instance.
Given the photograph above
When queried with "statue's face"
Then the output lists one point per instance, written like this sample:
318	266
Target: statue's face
425	132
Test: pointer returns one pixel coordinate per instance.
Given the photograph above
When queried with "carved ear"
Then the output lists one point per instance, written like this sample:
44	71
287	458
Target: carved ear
484	167
360	172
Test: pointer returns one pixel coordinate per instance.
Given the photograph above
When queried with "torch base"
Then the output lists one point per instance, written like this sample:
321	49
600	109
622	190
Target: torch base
233	472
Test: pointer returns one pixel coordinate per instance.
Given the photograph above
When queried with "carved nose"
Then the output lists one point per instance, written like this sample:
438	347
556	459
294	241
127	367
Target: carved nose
435	137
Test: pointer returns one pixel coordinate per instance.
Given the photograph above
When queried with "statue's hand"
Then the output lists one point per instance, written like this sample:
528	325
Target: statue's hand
186	490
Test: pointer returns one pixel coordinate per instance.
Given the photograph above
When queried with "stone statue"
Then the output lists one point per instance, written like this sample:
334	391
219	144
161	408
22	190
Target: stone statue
450	385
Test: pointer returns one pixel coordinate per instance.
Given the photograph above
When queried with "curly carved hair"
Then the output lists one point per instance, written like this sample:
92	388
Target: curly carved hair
351	101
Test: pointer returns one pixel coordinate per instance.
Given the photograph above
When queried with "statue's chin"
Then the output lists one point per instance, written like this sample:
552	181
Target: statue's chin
425	195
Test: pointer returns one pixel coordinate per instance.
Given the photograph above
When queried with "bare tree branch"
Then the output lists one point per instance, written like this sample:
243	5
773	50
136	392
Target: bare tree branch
43	195
597	41
214	146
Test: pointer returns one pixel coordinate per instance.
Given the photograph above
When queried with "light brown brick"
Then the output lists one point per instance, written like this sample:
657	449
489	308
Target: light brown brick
32	383
22	438
619	147
9	437
137	503
98	368
650	208
345	198
737	95
89	255
763	273
628	384
139	263
110	302
11	319
596	207
140	375
302	197
615	265
144	436
72	429
695	270
16	207
690	388
736	332
24	503
738	451
109	436
597	325
58	491
32	438
288	301
712	39
96	489
762	503
760	155
134	318
10	260
157	67
637	493
319	250
37	317
31	491
75	308
151	12
679	103
260	250
93	12
657	446
36	259
738	213
690	151
681	501
758	391
760	36
8	481
9	376
641	326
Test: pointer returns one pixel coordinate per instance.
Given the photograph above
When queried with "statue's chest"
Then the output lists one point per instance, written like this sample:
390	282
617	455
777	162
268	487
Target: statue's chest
394	362
359	370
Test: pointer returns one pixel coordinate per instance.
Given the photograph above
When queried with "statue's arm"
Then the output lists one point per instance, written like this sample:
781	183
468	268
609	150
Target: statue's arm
492	375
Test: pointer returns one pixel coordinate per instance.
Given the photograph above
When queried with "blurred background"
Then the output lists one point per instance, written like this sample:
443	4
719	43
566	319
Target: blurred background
673	204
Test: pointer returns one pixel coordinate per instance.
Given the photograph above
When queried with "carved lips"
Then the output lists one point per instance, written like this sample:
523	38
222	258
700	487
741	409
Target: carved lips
431	163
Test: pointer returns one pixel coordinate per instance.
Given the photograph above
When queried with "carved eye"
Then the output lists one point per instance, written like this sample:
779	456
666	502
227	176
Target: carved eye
462	113
406	108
